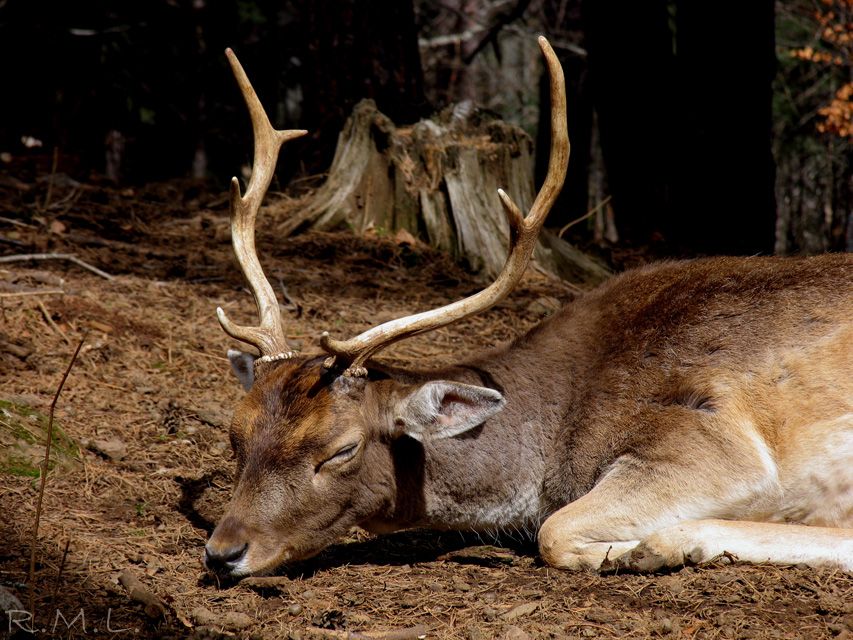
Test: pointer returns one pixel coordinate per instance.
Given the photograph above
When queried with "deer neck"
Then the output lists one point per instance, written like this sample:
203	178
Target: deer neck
490	478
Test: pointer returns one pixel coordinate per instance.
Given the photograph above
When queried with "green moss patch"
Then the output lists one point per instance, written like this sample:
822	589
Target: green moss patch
23	435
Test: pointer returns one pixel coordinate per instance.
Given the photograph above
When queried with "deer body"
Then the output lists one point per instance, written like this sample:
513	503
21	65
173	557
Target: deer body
675	393
678	412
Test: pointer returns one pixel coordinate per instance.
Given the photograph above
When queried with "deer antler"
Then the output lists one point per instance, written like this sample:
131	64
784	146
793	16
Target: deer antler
523	233
268	337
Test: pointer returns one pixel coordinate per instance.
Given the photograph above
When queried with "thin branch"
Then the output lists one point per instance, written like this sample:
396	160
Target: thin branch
52	178
12	241
57	256
501	20
18	223
450	38
44	479
584	216
59	575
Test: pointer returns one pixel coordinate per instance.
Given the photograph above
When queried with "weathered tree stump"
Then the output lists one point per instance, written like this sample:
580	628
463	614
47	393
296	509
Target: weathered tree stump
438	179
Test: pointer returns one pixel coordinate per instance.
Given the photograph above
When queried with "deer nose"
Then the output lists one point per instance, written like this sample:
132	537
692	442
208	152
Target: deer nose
227	547
224	559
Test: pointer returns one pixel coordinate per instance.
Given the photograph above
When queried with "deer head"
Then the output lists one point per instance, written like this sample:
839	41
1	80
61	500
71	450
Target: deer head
319	440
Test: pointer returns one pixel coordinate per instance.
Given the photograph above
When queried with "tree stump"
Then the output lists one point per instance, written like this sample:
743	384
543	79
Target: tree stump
438	179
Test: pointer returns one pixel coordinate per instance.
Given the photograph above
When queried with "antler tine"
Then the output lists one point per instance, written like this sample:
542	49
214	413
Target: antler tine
523	233
269	336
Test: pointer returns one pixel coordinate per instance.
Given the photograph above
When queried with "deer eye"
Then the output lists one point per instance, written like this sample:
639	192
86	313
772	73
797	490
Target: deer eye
344	454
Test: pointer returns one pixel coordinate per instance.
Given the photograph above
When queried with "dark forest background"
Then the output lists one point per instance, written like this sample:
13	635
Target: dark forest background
700	119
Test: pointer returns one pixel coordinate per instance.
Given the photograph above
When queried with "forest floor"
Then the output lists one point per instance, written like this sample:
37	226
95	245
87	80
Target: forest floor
142	467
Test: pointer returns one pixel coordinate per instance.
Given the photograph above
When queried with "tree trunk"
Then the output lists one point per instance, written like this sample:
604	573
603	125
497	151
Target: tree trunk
630	75
724	172
438	179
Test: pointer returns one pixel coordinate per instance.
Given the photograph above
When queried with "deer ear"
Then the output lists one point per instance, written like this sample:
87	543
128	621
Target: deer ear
442	409
243	366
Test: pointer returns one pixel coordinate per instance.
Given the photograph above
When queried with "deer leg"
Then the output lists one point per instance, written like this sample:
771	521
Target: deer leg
635	500
645	517
589	530
702	540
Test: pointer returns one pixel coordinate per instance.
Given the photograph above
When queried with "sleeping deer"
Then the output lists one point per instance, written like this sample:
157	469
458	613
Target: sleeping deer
678	412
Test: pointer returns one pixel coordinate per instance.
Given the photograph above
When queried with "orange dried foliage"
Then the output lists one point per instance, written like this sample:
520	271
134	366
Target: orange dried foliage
836	34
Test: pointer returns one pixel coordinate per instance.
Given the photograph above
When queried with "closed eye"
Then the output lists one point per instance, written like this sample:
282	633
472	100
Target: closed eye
342	455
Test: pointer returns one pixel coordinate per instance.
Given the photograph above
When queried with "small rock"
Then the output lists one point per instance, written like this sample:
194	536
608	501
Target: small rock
521	610
9	602
461	585
234	620
114	449
435	587
515	633
601	615
673	583
295	609
203	616
475	633
490	614
489	596
214	417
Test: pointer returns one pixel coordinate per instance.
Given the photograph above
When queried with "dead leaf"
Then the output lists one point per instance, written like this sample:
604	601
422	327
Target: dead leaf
404	237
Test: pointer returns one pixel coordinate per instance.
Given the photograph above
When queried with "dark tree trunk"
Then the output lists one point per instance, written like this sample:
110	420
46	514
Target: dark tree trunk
724	172
357	49
563	23
630	73
685	121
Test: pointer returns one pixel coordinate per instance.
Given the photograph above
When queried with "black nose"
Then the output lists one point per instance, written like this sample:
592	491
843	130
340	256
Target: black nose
224	560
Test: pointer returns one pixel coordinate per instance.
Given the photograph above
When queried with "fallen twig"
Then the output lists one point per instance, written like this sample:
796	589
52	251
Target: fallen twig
154	607
34	292
57	256
50	321
293	306
410	633
44	479
18	223
96	241
12	241
16	350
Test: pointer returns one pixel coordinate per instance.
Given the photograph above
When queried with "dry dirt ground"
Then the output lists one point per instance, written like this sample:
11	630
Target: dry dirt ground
141	466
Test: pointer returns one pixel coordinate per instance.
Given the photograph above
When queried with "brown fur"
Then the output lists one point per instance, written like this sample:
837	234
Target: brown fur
662	409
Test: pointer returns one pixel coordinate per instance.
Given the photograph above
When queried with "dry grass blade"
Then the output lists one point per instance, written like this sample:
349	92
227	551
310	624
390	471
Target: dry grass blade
45	464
